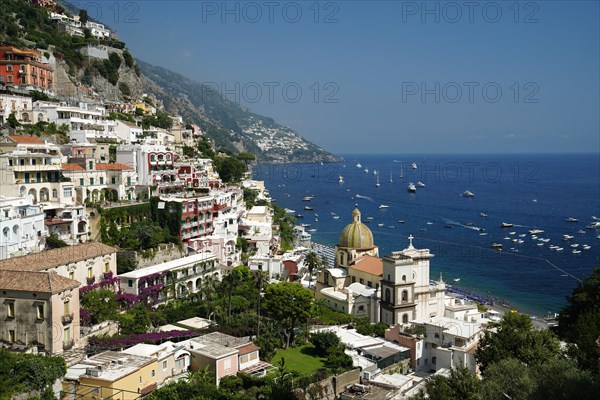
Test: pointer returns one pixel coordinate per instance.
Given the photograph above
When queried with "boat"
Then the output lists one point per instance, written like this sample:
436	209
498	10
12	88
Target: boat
581	231
383	206
340	179
414	165
377	184
312	230
520	241
366	170
391	178
586	247
575	245
466	193
380	225
535	231
307	208
506	225
571	219
358	165
469	223
506	238
593	225
299	216
559	249
497	246
576	251
567	237
553	247
305	225
456	279
429	223
420	184
374	172
512	233
288	211
401	172
522	235
336	217
401	221
412	188
483	215
483	234
539	244
369	218
449	226
307	198
391	227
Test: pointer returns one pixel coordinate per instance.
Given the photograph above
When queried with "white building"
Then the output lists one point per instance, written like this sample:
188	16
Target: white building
128	132
152	162
87	122
21	106
22	228
406	291
273	265
258	231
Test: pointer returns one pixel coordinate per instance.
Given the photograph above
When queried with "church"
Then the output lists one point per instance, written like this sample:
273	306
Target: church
395	289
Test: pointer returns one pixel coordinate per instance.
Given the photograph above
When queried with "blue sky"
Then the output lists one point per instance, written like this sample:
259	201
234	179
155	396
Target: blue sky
389	77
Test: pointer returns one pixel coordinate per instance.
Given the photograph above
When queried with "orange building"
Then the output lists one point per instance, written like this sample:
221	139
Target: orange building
24	67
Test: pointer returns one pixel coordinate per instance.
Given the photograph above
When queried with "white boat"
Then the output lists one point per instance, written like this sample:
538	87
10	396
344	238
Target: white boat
305	225
366	170
358	165
456	279
586	247
571	219
567	237
374	172
340	179
540	244
401	172
312	230
497	246
288	211
522	235
414	165
369	218
506	238
401	221
512	233
412	188
420	184
377	184
553	247
391	227
483	215
466	193
429	223
383	206
308	198
391	179
575	245
483	234
520	241
307	208
594	225
535	231
336	217
576	251
380	225
559	249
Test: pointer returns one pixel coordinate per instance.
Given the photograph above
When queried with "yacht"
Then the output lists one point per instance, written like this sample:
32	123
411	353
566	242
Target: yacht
391	178
497	246
456	279
594	225
429	223
307	208
535	231
414	165
512	233
571	219
312	230
401	172
288	211
420	184
377	184
305	225
336	217
374	172
567	237
506	238
466	193
401	221
358	165
383	206
559	249
340	179
308	198
576	251
539	244
506	225
412	188
380	225
575	245
586	247
483	215
483	234
391	227
369	218
581	231
366	170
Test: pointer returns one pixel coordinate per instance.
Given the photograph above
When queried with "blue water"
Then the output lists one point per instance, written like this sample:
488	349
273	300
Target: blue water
530	191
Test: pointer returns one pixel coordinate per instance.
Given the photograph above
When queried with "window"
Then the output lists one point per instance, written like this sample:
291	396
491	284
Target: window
405	295
91	181
388	296
66	308
153	373
39	311
106	267
389	278
81	180
9	79
362	281
11	335
10	309
9	68
113	180
90	273
405	319
353	279
437	335
67	192
101	180
361	308
128	181
164	365
71	275
369	284
227	363
403	278
130	283
54	193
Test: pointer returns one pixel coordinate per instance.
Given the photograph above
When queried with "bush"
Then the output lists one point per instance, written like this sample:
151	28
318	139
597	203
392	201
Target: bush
124	88
325	342
54	242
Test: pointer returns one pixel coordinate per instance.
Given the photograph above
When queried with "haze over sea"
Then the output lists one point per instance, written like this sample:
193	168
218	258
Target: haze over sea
530	191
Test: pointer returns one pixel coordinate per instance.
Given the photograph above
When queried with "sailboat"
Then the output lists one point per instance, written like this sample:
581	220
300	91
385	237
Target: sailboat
377	184
391	179
401	172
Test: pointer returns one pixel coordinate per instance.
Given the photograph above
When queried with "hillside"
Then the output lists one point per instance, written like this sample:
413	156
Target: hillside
120	78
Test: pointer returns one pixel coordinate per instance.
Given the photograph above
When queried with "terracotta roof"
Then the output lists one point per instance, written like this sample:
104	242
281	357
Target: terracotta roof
248	348
26	139
56	257
71	167
112	167
28	281
370	264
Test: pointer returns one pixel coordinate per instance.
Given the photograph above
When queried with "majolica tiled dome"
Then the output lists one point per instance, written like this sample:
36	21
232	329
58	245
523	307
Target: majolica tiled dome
356	235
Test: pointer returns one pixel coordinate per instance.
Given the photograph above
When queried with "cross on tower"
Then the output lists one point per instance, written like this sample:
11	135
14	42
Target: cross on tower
410	239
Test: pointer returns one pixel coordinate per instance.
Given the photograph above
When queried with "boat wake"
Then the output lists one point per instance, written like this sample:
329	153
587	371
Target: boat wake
456	223
358	196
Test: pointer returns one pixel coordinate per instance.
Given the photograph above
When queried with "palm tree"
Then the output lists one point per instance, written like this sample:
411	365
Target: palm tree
209	284
260	277
313	262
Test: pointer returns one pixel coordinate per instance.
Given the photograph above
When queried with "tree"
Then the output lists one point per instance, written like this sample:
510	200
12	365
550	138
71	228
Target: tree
324	342
54	242
12	120
516	337
508	378
312	263
101	304
460	385
579	322
136	320
246	157
231	281
290	304
83	16
230	169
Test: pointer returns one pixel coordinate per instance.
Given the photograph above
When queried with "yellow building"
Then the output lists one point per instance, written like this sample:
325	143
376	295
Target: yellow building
355	241
112	375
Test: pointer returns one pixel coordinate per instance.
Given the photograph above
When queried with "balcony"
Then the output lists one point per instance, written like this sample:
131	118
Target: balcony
67	319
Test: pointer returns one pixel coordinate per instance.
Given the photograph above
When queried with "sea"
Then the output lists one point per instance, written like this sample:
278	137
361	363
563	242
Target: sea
530	191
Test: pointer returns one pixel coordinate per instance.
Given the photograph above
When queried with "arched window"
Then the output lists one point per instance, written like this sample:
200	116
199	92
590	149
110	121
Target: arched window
403	278
389	278
54	193
16	230
405	295
40	117
5	231
388	295
405	319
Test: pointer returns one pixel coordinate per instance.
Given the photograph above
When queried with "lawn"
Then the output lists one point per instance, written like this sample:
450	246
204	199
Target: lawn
302	359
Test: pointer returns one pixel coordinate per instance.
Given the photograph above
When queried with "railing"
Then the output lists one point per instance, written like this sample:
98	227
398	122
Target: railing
67	319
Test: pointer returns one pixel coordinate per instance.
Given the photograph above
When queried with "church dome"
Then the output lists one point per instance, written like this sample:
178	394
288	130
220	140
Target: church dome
356	235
